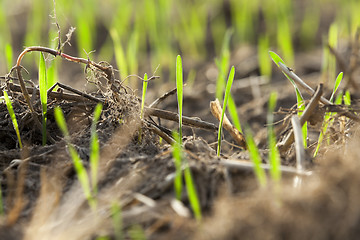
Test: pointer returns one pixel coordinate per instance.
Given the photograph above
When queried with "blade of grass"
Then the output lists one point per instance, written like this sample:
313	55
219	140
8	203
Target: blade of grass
43	95
328	115
255	158
13	117
177	155
179	87
78	165
226	97
145	83
192	193
95	149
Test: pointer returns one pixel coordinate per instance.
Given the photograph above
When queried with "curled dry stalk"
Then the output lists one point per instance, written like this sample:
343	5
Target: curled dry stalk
107	70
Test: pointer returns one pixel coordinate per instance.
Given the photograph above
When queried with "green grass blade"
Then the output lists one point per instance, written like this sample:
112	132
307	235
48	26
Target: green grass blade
43	95
336	86
13	117
255	158
179	87
145	84
192	193
79	167
274	155
95	148
9	55
264	63
226	97
119	53
177	155
347	98
233	113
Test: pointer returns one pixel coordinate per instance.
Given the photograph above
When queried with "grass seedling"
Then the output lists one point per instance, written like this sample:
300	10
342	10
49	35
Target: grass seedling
347	98
255	158
179	87
226	97
328	114
13	117
9	55
300	100
178	185
191	191
43	95
177	151
119	53
274	156
144	88
78	165
95	149
264	63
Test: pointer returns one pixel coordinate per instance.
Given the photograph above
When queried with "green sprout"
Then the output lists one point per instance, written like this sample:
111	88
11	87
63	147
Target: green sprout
43	95
300	100
13	117
78	165
179	87
328	115
95	148
145	84
255	158
226	97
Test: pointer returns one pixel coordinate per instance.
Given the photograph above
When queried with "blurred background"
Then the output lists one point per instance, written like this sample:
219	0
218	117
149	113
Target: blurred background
144	36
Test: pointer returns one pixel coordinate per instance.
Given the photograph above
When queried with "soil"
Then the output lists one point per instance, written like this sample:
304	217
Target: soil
44	200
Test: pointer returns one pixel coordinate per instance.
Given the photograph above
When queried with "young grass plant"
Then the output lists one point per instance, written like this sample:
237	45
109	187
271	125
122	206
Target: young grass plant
144	88
255	158
178	153
95	149
328	114
226	97
43	95
300	100
13	117
78	165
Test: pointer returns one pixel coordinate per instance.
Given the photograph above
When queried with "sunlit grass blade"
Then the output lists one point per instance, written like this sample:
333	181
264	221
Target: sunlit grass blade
191	190
9	55
337	84
223	64
13	117
43	95
226	97
264	63
274	156
177	155
179	87
300	100
79	167
119	53
145	83
233	113
328	114
95	149
255	158
347	98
